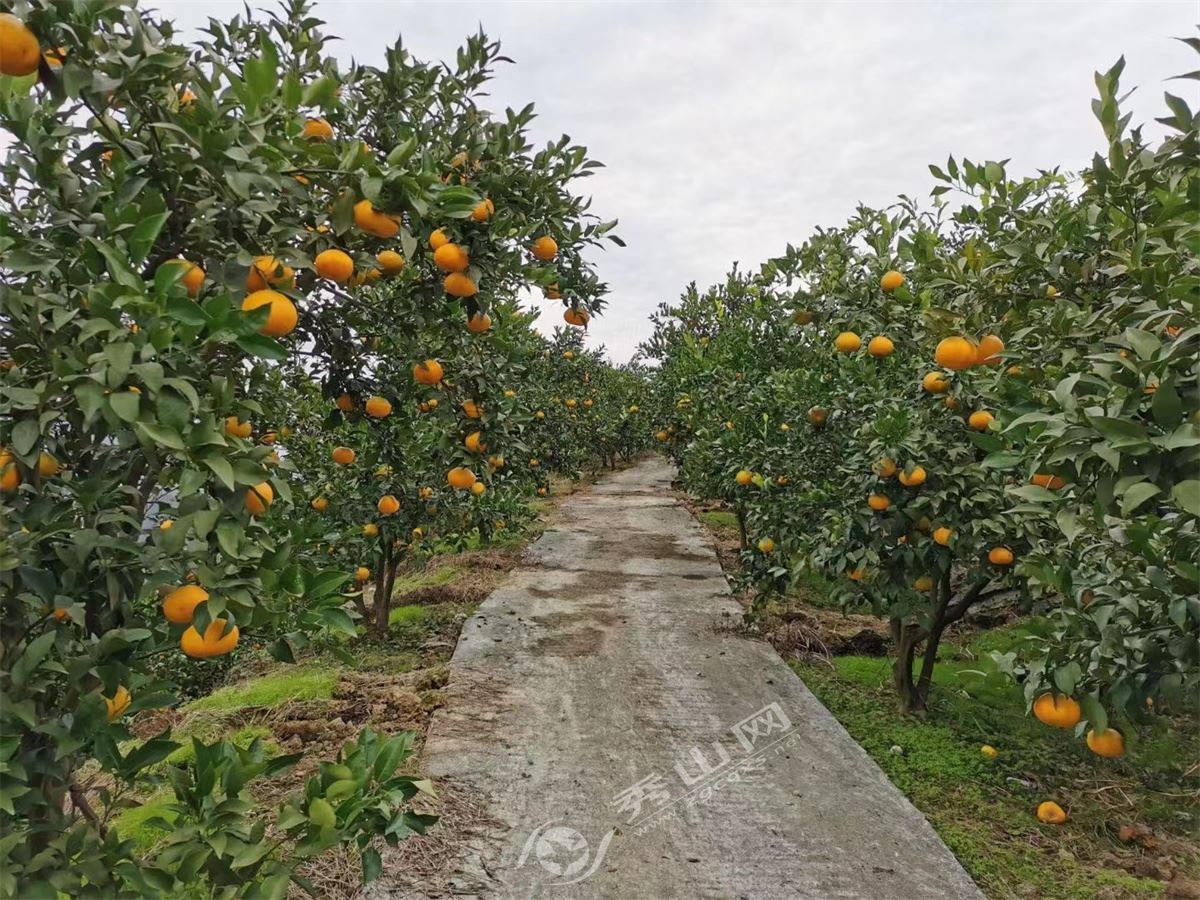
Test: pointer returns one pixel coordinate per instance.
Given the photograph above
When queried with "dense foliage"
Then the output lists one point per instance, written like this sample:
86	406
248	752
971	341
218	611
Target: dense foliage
993	398
221	262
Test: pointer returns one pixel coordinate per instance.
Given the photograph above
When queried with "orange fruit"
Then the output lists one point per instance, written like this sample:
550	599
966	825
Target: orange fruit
214	642
885	468
269	438
545	248
474	442
483	211
460	478
847	342
320	504
1051	813
935	383
429	372
479	323
179	606
259	497
118	703
817	415
1109	743
915	478
955	353
370	530
378	408
878	502
390	262
857	575
362	574
451	258
478	488
343	456
281	318
10	475
193	275
942	536
880	347
989	350
980	420
388	505
1057	710
1000	556
267	272
438	239
47	465
1049	482
766	545
19	50
317	129
744	477
950	403
891	280
236	428
375	222
923	584
456	284
472	409
344	402
335	265
576	317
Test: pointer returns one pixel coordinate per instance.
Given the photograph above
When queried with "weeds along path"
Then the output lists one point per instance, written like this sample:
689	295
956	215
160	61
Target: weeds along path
617	739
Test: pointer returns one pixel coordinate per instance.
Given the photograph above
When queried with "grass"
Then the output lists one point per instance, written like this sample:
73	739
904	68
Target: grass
718	519
270	691
243	738
412	614
984	809
431	576
133	823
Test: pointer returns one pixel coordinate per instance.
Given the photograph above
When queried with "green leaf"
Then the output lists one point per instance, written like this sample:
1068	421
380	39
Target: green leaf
27	662
1186	495
1137	495
125	405
222	469
262	346
25	436
143	236
162	435
1094	712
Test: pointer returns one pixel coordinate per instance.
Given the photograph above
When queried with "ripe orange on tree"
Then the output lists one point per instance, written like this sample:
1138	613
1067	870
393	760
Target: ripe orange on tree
545	248
456	284
479	323
320	504
1049	482
1000	556
282	316
576	317
942	536
891	280
955	353
343	456
193	275
214	642
388	505
1108	743
437	239
391	262
935	383
378	407
19	50
179	606
878	502
471	409
847	342
317	129
980	420
336	265
428	372
1057	710
460	478
483	211
989	350
267	271
375	222
474	442
744	477
451	258
236	428
880	346
259	497
915	478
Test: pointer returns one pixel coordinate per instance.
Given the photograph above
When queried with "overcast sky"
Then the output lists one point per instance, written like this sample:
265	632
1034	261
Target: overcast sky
730	129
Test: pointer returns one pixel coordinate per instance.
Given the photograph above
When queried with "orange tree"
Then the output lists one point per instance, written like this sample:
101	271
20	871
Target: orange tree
168	217
997	400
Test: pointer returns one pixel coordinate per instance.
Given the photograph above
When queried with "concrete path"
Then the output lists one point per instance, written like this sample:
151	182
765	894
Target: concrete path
624	743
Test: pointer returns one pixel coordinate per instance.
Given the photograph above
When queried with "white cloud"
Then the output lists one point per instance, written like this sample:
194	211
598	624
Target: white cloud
729	130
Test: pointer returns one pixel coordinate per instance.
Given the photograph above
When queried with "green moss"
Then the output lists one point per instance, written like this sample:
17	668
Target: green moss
134	822
269	691
718	519
407	615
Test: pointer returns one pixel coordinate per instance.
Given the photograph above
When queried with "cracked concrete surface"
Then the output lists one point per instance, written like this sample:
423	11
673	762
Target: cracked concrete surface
605	662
